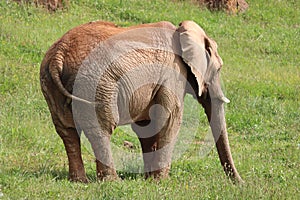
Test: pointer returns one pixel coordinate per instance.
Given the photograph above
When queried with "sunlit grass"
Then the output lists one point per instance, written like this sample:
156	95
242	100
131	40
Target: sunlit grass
260	49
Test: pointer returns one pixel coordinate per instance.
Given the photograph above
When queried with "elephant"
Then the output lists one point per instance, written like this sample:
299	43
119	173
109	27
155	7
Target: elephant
99	76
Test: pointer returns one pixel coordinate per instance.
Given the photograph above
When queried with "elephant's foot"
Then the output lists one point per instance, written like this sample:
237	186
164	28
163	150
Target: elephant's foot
77	177
158	174
105	173
76	169
71	141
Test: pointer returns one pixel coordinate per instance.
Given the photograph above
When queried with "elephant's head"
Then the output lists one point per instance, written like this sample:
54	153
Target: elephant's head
200	54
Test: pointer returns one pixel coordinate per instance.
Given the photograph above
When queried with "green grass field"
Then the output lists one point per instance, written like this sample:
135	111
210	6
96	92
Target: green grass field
261	52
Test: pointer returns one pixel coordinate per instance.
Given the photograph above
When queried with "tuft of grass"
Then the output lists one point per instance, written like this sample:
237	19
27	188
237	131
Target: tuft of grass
260	49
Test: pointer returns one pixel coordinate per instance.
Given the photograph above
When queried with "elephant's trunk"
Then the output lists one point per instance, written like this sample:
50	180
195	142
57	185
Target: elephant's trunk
216	117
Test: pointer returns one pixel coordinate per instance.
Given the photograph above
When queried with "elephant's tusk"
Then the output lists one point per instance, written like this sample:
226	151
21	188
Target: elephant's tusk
224	99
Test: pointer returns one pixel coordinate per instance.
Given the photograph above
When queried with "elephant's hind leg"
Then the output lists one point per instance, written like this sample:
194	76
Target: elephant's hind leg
71	141
64	125
100	142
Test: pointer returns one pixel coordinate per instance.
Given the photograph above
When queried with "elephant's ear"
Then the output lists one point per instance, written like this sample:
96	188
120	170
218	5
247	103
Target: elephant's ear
194	44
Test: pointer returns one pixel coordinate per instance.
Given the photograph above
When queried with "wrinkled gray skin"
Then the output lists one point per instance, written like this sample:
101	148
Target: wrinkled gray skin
144	88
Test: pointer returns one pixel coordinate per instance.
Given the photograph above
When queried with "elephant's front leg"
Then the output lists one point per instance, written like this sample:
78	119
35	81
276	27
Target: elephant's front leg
146	133
167	116
100	142
169	128
157	138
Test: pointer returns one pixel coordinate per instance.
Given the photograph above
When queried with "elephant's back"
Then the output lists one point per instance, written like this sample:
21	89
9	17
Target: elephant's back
75	45
68	53
161	24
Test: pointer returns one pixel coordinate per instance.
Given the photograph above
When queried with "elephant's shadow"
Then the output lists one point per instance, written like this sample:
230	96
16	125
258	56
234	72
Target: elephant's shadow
60	175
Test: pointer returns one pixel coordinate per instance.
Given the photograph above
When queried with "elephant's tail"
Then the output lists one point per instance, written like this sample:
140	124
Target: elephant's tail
55	70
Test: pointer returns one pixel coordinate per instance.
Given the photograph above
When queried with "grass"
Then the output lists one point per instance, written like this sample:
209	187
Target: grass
260	49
